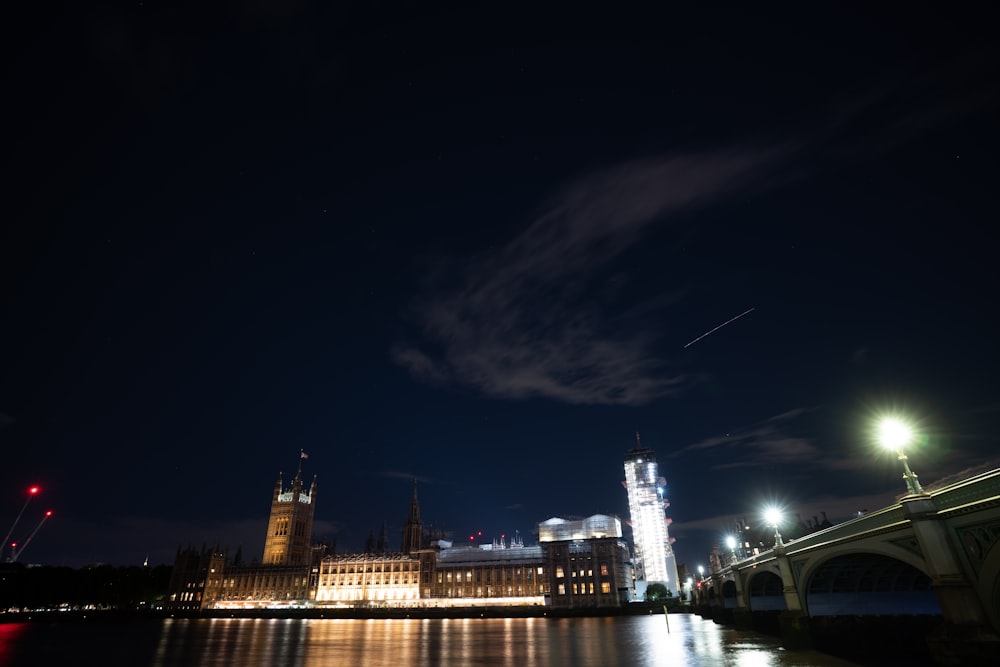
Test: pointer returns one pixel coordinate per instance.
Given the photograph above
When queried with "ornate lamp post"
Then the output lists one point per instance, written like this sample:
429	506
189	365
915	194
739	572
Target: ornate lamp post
731	543
894	434
773	517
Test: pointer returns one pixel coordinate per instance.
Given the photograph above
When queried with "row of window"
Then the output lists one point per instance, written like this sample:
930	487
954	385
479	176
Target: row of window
364	569
281	527
355	595
586	588
265	582
328	581
476	576
491	591
561	573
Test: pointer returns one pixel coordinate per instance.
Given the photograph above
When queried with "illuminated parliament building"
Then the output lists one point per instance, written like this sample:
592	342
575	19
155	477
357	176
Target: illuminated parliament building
577	564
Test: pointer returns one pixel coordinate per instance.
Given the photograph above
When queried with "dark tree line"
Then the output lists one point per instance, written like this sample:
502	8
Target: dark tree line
103	586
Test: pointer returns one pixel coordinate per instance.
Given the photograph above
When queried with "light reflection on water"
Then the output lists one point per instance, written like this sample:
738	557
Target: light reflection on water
638	641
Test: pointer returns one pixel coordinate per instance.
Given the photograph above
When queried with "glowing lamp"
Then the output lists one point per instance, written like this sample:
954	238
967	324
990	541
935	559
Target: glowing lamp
894	434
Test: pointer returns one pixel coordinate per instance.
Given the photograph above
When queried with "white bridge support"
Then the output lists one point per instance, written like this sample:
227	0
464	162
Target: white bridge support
968	631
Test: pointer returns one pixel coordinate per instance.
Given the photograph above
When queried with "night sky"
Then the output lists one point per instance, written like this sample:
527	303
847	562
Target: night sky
467	245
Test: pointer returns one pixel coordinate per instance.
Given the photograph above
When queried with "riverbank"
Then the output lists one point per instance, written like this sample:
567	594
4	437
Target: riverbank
538	611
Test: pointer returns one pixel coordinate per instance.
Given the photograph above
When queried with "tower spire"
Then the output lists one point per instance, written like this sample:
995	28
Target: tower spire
302	456
413	528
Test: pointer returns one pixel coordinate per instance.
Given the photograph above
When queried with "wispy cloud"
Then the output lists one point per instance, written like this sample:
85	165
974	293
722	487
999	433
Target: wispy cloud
536	317
775	441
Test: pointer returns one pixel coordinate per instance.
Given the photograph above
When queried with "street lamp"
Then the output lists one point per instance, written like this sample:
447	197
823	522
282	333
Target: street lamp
773	517
731	543
894	434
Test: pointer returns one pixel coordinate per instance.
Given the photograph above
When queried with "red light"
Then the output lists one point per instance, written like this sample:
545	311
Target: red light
33	490
472	537
480	533
49	513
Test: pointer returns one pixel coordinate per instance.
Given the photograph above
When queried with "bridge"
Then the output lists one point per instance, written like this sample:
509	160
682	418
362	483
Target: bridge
925	568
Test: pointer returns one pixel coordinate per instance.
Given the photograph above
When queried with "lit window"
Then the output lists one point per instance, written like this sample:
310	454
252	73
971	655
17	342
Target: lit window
604	569
559	572
605	587
562	589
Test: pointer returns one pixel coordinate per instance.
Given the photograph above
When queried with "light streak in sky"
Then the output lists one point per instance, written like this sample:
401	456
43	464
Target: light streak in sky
719	327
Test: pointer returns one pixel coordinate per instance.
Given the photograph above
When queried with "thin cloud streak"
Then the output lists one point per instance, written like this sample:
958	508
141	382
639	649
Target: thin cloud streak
766	443
525	322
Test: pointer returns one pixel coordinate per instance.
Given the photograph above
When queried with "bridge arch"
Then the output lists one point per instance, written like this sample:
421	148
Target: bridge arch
765	591
729	594
708	593
863	583
893	550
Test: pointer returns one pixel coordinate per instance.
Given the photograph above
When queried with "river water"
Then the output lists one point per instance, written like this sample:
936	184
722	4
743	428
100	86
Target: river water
635	641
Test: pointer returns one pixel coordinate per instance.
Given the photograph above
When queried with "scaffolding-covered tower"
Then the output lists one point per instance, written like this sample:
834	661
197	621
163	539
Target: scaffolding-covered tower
654	556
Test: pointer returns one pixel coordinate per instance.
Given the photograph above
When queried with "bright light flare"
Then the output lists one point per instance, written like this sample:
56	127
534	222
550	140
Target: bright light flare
894	433
773	516
731	542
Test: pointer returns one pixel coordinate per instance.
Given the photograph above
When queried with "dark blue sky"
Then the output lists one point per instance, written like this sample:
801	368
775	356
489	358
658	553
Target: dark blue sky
467	246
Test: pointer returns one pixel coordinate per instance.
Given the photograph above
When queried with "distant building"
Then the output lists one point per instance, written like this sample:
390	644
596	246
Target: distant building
495	574
588	562
598	525
194	571
287	577
654	556
359	579
578	564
